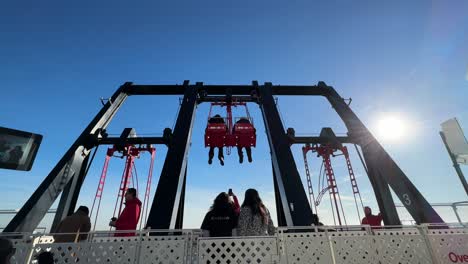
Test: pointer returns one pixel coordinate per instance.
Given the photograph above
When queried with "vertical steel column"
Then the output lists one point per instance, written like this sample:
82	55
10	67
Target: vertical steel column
35	208
180	214
383	171
166	202
70	195
279	208
295	205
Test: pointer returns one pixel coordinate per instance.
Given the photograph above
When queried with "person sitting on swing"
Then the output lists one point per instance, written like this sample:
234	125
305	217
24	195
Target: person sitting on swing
248	149
216	119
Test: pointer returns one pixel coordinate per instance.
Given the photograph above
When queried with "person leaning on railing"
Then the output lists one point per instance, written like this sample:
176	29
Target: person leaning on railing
75	227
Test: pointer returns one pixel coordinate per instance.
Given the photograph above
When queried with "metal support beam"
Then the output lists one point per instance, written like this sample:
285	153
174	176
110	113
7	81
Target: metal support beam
223	89
383	170
163	214
180	213
294	201
35	208
132	141
217	99
319	140
279	208
382	192
70	195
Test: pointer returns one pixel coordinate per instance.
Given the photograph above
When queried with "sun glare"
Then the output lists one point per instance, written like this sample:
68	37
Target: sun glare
391	128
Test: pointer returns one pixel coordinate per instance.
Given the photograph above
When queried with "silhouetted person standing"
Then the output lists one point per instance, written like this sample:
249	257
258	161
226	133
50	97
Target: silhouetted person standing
7	251
45	258
221	218
254	218
70	226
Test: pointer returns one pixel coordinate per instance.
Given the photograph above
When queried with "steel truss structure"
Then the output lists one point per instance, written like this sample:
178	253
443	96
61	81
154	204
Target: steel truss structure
166	212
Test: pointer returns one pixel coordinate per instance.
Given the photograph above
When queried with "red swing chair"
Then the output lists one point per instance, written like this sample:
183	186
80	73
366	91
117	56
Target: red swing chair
222	132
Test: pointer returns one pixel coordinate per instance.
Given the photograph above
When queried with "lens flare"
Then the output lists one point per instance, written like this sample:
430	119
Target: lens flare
391	128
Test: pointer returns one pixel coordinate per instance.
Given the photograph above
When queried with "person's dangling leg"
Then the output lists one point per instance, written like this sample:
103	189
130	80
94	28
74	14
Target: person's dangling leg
221	156
240	153
210	155
249	153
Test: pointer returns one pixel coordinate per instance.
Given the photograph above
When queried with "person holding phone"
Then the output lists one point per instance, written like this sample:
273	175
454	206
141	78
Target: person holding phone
234	201
222	217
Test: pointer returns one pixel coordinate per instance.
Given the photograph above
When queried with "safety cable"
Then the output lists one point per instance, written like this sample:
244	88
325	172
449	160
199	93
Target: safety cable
362	160
91	160
177	114
279	111
136	178
322	176
331	206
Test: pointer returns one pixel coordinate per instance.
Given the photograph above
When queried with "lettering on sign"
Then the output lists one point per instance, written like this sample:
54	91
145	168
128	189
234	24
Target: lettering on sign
455	258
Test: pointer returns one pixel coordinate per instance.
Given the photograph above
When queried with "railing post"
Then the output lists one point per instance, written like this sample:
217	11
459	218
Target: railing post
424	230
139	246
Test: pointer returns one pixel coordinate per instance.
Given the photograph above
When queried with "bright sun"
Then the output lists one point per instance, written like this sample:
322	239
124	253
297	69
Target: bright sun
391	128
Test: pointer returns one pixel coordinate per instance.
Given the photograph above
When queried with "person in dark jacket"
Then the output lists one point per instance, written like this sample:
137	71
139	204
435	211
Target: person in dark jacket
128	219
254	218
248	149
216	119
222	217
73	228
45	258
7	251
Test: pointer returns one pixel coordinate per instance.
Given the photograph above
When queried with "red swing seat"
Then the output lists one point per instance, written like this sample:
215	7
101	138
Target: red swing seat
245	135
215	135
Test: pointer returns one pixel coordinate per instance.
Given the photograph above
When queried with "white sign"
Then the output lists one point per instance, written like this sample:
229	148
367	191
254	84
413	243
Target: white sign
456	140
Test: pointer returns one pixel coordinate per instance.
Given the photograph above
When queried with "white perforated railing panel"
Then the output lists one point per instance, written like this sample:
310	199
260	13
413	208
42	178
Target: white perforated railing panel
401	246
163	250
110	250
237	250
63	252
353	247
449	245
23	249
310	247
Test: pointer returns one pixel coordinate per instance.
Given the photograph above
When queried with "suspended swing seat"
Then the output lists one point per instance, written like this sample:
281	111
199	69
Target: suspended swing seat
216	134
244	133
223	132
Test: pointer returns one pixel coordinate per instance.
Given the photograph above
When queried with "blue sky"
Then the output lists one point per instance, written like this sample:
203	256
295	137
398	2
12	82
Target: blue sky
405	58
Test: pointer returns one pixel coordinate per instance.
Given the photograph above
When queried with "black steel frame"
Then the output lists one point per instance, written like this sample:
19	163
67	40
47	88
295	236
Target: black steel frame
168	203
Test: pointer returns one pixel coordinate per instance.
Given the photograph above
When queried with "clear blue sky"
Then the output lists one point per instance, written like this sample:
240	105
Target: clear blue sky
405	57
